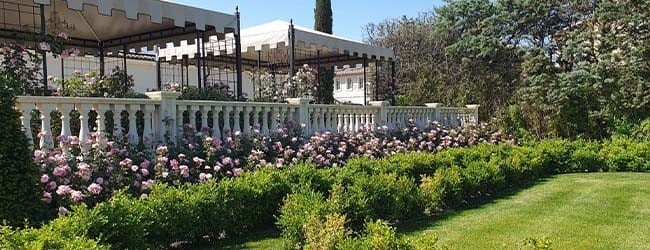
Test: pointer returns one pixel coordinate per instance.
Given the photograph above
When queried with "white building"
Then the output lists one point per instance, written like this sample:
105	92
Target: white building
349	85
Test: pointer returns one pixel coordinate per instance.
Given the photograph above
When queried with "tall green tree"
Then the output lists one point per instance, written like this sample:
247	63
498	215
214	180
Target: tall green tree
19	180
323	22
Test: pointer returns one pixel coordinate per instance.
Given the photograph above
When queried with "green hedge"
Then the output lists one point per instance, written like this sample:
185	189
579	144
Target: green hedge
303	198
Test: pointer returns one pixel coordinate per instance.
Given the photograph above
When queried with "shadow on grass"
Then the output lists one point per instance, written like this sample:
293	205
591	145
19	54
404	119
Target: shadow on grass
239	243
427	222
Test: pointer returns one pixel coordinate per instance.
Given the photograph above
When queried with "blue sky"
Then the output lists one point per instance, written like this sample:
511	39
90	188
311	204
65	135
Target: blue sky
349	15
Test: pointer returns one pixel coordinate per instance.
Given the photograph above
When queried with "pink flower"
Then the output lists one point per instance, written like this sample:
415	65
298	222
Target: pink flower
59	171
144	172
63	211
45	178
95	189
63	35
63	190
134	168
47	197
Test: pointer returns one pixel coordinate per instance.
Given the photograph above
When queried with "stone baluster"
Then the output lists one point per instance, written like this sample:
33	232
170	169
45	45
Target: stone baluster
216	127
134	138
291	114
179	123
148	136
256	118
274	119
100	133
247	119
265	121
227	129
26	119
46	140
341	121
65	110
118	130
281	117
204	110
84	133
193	110
321	119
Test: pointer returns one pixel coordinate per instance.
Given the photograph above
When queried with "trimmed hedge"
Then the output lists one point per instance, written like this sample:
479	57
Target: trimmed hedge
390	190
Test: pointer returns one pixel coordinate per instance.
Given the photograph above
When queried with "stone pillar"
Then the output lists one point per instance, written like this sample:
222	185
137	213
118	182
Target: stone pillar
302	114
166	115
381	118
436	113
474	108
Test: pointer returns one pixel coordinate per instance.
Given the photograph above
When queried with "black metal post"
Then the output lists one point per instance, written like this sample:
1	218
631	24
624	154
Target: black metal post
43	52
126	68
158	73
393	88
204	56
198	58
292	52
318	67
238	50
102	69
365	88
259	73
377	80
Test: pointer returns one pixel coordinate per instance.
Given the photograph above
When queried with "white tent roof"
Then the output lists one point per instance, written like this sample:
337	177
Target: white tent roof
135	23
157	10
275	35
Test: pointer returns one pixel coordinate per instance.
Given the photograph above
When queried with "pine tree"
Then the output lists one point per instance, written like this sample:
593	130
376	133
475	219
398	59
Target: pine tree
323	23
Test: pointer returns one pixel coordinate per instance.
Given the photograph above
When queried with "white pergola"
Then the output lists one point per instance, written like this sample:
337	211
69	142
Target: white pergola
281	44
112	26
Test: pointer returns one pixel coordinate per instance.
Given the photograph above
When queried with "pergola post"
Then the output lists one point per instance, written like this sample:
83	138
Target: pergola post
204	56
259	74
43	52
102	69
392	82
158	73
198	58
126	70
377	80
365	87
292	51
238	54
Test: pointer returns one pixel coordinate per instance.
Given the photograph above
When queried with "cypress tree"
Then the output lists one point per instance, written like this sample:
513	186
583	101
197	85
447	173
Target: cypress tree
323	22
323	16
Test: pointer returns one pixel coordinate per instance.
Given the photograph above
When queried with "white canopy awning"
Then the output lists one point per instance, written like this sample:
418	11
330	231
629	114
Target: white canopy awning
137	23
275	35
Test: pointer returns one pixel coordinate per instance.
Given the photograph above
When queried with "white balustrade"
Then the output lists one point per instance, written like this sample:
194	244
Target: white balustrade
227	117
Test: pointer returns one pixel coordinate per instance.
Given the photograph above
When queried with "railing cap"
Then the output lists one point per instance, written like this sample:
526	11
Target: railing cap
434	105
473	106
159	95
379	103
299	101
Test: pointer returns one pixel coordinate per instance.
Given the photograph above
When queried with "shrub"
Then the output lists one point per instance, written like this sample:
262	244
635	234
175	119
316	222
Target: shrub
20	197
379	236
33	239
325	234
442	190
382	196
300	209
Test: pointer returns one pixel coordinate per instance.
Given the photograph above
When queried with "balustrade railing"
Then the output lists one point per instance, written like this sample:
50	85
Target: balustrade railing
161	118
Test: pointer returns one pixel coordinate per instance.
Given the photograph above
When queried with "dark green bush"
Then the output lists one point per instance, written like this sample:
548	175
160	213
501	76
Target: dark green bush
394	189
19	177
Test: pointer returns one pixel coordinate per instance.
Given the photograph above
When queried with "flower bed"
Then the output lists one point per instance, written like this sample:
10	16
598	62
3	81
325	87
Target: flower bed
338	200
69	177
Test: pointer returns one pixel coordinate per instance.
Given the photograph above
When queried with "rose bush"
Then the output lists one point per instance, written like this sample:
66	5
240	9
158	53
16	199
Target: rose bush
69	176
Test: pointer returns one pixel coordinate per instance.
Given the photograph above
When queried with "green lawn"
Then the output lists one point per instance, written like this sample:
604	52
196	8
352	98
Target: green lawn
575	211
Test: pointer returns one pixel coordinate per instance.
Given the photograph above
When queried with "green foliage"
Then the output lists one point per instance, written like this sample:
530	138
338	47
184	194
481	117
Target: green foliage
325	90
568	69
323	20
206	94
34	239
330	208
19	177
118	84
538	243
